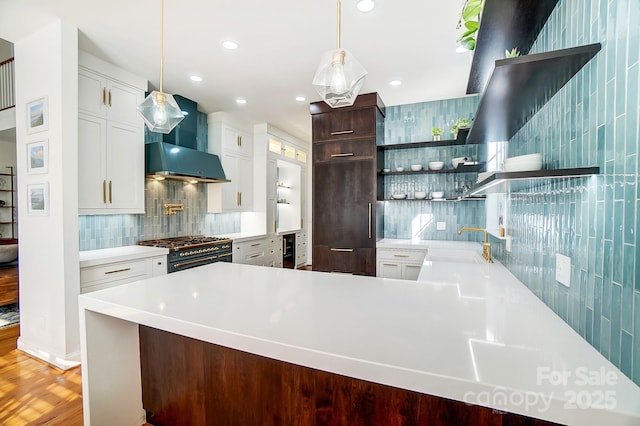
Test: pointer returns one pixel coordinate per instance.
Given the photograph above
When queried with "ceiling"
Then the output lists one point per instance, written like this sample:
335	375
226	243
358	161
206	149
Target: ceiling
280	45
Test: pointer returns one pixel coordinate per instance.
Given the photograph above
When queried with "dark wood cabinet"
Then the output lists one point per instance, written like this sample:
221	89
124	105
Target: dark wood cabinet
346	219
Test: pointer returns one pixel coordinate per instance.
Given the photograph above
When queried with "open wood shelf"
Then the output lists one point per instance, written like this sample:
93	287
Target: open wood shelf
505	24
438	200
520	86
460	140
506	182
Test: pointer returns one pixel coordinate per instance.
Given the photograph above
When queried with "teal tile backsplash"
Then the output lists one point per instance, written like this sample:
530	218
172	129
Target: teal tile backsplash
592	121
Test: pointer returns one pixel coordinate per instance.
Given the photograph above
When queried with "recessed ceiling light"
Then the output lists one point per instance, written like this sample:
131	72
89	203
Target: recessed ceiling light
365	5
395	83
300	98
195	78
241	101
230	45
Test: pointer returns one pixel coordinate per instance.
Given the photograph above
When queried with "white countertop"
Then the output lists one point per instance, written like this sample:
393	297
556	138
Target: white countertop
240	236
466	331
118	254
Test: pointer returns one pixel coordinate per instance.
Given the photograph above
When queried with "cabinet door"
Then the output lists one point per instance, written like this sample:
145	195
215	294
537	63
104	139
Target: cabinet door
92	139
237	195
344	124
123	101
411	271
359	261
92	93
388	269
236	141
125	168
344	151
344	204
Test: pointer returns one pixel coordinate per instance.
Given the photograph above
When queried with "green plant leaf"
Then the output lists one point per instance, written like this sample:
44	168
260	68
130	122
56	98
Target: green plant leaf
472	25
471	11
468	43
467	34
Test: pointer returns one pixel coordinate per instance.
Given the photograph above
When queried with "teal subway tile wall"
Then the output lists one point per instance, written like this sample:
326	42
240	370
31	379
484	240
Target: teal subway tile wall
414	218
104	231
592	121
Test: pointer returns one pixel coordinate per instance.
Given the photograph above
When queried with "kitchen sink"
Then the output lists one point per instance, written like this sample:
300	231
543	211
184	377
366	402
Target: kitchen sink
454	256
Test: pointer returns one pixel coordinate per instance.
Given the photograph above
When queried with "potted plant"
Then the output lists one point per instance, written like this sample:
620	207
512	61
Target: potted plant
461	123
436	132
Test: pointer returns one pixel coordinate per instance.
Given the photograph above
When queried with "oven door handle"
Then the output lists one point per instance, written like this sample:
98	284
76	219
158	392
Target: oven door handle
191	262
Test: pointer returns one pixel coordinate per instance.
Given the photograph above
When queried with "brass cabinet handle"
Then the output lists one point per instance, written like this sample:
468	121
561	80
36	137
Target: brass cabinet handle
104	96
342	132
255	245
110	193
342	250
400	255
109	97
104	191
238	199
255	255
345	154
239	140
117	270
159	263
370	219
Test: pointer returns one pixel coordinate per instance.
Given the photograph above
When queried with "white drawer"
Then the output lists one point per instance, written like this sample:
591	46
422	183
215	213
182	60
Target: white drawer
159	265
128	271
413	256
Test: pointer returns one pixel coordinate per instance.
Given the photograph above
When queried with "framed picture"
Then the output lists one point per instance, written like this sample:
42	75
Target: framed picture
38	199
38	157
38	115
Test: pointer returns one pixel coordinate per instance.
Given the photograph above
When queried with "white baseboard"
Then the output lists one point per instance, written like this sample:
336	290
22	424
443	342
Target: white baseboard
63	362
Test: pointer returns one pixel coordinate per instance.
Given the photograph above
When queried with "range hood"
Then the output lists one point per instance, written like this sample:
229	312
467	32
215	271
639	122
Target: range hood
164	160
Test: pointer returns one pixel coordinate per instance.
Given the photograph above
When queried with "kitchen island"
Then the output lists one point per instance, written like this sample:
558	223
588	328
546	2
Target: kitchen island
464	332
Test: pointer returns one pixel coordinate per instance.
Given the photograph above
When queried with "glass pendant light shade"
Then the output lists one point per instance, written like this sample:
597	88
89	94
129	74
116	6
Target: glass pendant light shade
160	112
339	78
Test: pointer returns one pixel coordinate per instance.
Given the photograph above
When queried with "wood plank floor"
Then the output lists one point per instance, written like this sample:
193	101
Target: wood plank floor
34	393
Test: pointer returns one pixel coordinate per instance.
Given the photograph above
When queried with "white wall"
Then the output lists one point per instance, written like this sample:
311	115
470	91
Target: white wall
47	65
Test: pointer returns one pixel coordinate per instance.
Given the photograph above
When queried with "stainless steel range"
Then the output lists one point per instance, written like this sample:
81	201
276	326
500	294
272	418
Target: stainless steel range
189	252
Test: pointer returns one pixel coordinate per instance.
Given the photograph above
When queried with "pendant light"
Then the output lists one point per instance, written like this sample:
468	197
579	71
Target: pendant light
159	110
340	76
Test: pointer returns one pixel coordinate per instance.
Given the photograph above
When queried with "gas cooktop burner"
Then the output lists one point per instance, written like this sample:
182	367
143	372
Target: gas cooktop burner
177	243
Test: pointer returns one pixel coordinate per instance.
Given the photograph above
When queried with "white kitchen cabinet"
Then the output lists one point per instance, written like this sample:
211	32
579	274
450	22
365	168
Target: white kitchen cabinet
110	142
301	249
235	149
402	264
105	268
265	251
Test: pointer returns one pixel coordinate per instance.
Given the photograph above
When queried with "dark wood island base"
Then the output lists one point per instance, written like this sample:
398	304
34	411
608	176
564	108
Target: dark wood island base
190	382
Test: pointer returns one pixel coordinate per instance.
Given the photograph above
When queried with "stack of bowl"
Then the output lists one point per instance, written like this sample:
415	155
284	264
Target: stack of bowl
523	163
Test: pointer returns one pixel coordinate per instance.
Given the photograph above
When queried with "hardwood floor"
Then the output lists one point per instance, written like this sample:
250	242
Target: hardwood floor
32	392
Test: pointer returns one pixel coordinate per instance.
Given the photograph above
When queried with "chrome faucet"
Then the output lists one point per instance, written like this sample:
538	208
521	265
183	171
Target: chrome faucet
486	246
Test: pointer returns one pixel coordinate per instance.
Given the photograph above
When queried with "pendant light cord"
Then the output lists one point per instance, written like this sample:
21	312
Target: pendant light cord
161	45
339	23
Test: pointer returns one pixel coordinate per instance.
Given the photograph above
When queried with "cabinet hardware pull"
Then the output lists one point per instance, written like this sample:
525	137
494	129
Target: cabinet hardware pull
342	132
239	140
110	194
370	219
342	250
104	191
117	270
255	245
159	263
238	199
104	96
191	262
109	97
400	255
390	264
346	154
255	255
